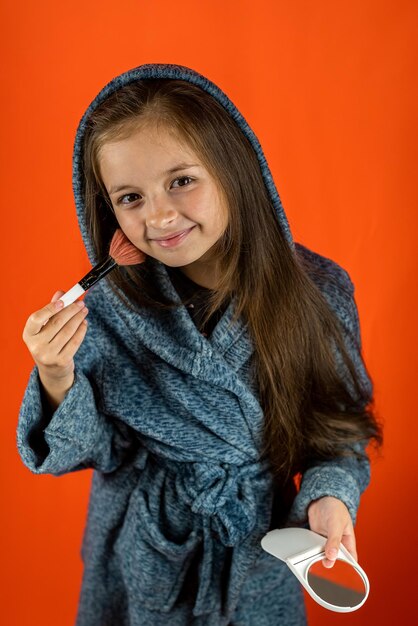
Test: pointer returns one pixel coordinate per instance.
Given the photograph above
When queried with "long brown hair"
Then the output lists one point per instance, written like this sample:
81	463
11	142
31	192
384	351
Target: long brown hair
316	405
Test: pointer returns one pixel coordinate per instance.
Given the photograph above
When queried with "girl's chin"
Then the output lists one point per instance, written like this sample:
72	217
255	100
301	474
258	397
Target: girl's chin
180	258
179	262
175	259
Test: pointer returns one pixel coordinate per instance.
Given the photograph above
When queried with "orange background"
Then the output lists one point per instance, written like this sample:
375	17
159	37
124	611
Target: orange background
330	89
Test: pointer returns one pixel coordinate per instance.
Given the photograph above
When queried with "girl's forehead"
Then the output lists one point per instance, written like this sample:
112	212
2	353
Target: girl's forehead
147	136
148	153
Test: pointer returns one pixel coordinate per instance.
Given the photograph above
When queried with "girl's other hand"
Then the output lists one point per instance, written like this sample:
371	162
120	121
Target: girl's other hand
329	517
53	335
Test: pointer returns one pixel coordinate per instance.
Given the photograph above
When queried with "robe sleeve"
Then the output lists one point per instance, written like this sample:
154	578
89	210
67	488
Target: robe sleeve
344	478
78	434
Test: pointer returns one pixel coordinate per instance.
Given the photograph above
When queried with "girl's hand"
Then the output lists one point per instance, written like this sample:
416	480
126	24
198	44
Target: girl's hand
53	335
329	517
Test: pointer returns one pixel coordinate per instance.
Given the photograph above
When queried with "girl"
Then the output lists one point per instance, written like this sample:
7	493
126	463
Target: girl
207	378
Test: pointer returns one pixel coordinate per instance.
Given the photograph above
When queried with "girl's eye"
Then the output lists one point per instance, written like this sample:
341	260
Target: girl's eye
130	198
122	200
183	181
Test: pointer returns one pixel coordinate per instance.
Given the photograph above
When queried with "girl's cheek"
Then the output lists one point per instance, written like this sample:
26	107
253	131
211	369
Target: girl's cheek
128	219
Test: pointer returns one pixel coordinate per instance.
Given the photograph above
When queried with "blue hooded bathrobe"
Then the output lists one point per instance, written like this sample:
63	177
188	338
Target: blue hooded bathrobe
171	423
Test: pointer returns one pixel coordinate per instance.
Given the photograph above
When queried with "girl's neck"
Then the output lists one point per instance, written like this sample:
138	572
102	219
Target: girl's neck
203	273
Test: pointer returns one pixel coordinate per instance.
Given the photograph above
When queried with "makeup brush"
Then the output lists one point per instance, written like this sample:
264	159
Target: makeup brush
121	252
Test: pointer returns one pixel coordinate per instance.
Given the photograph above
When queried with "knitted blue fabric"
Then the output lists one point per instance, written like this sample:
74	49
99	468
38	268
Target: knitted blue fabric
171	424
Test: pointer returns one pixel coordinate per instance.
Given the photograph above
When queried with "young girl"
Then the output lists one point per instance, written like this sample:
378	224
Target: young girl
207	378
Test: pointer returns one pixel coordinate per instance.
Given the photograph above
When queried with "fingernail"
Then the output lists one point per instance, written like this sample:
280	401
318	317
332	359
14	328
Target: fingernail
332	553
80	303
59	304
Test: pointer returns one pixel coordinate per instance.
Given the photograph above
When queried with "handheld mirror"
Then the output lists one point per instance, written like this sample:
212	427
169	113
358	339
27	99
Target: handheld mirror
341	588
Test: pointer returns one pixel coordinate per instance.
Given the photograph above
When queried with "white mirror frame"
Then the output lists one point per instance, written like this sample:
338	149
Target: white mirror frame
299	548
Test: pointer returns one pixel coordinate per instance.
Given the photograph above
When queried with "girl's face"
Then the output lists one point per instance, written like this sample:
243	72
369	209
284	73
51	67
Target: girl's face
165	200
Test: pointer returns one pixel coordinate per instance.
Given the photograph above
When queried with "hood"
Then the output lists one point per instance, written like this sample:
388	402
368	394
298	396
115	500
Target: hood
157	71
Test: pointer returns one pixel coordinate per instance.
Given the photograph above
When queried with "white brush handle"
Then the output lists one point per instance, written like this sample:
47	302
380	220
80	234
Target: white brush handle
71	296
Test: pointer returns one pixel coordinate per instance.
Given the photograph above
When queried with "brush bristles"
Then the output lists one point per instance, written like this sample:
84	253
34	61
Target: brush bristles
123	251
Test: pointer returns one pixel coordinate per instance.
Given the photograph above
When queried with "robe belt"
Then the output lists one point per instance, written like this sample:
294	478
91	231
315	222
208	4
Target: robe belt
227	499
226	493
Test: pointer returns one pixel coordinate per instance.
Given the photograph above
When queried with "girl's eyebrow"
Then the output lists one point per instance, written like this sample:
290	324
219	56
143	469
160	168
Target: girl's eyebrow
173	170
181	166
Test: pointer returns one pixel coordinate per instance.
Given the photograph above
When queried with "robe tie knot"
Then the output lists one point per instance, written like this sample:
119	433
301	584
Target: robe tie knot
226	493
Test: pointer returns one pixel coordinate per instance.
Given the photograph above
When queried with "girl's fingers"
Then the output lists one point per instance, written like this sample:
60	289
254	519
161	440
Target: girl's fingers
57	295
349	542
37	320
347	538
334	534
54	334
329	516
67	331
331	551
58	321
68	351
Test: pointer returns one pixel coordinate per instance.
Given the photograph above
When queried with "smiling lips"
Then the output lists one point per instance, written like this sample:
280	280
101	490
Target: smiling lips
173	240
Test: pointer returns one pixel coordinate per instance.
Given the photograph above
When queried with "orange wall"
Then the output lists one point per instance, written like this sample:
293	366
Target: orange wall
329	89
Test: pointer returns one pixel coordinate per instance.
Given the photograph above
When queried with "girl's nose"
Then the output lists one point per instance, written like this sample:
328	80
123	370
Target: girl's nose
159	217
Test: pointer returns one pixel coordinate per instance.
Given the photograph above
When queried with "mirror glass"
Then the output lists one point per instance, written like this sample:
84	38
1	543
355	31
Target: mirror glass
340	585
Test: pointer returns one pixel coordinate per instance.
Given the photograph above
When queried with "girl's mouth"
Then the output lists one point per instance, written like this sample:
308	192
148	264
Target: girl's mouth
173	240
